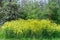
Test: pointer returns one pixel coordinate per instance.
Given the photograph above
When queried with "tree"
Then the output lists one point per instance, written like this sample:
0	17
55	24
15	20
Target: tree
54	8
1	4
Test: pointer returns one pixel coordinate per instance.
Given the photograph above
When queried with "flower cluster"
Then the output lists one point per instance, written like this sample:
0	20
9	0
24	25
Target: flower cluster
31	27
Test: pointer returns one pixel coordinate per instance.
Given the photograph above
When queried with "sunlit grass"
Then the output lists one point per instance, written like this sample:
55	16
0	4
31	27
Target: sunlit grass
34	39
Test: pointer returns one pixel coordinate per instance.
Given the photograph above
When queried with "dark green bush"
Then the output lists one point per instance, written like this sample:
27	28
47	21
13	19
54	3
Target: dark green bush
54	12
12	11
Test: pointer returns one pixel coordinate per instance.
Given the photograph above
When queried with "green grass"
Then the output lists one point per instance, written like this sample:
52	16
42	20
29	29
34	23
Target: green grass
33	39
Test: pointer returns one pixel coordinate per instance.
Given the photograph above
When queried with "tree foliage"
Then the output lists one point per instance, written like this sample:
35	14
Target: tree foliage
11	10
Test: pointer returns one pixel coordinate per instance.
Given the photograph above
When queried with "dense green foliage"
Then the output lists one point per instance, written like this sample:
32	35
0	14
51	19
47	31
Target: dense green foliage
29	19
30	10
54	12
11	11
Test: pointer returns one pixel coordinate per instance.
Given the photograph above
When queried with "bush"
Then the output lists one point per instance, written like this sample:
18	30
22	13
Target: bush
54	12
30	28
34	11
11	11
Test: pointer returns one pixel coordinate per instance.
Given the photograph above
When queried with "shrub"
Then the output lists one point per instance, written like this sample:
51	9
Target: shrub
13	11
34	11
54	12
30	28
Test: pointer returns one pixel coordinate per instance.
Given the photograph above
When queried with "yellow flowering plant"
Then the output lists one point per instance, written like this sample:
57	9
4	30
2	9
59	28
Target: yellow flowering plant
29	28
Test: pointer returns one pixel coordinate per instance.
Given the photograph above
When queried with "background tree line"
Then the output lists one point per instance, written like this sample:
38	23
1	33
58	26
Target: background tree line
12	10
